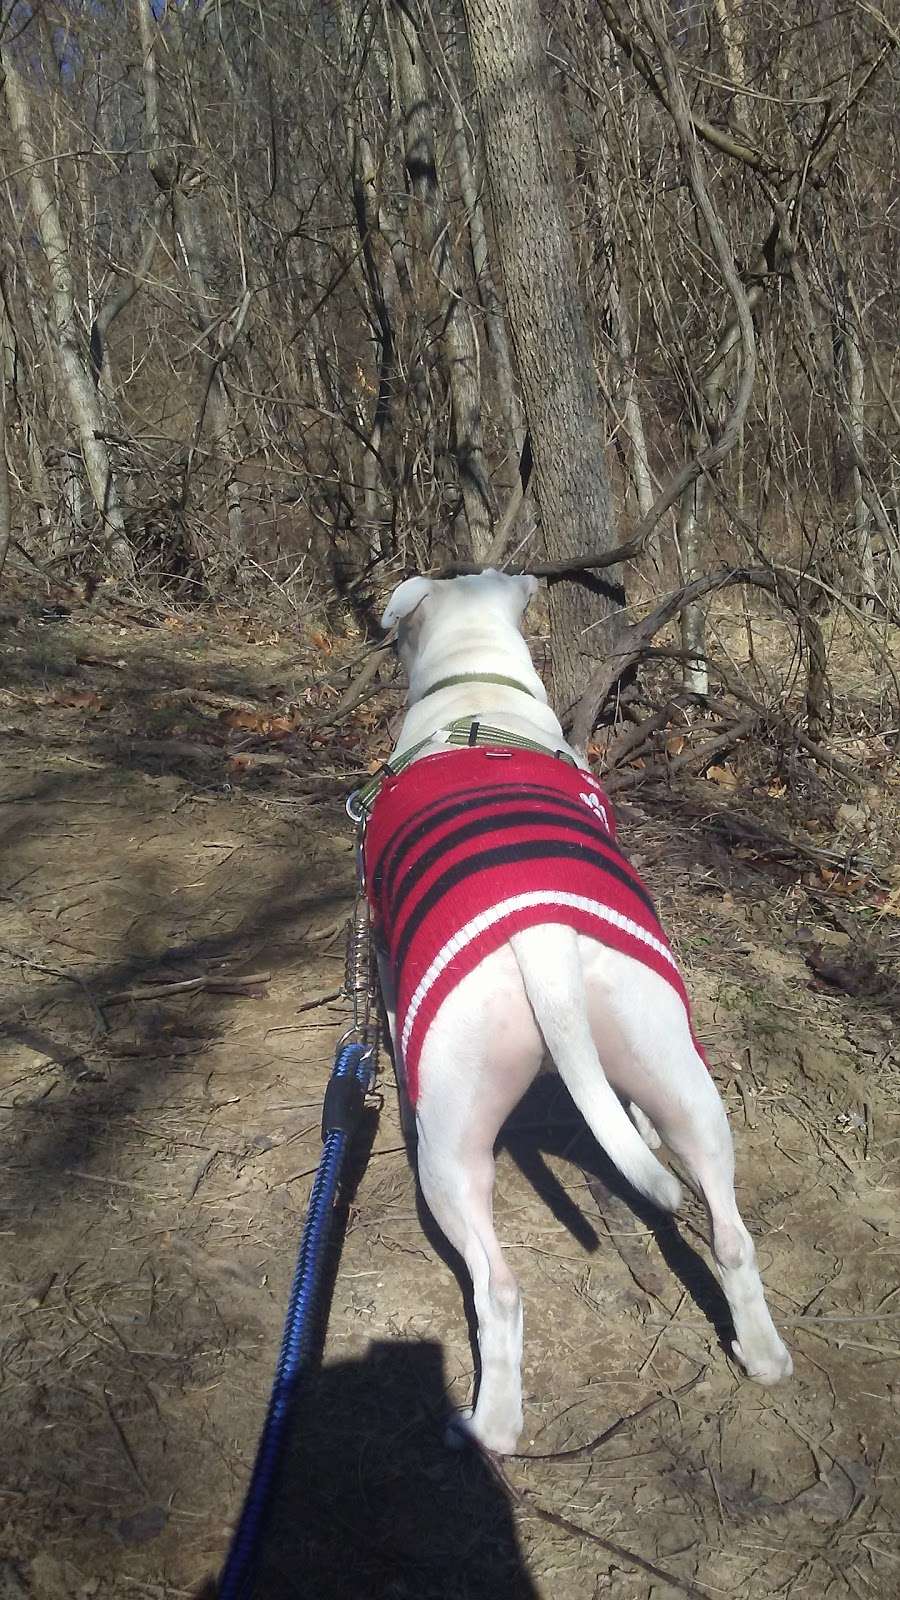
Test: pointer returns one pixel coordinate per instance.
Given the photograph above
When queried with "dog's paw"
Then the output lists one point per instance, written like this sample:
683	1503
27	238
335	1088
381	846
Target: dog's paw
464	1430
777	1364
458	1433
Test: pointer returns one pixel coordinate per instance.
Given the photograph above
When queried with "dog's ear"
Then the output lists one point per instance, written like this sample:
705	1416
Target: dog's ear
405	599
521	588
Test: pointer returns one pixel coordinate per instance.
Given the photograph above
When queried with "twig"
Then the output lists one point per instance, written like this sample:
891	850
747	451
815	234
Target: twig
628	1557
743	830
652	1351
749	1108
514	504
790	1322
320	1000
319	935
129	1453
581	1451
250	986
67	977
779	721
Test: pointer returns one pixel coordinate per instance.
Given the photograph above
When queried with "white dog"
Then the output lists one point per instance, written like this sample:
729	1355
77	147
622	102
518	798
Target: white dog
552	947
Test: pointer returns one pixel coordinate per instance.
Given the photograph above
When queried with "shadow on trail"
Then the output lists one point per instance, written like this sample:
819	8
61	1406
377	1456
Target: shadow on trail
373	1504
547	1124
369	1499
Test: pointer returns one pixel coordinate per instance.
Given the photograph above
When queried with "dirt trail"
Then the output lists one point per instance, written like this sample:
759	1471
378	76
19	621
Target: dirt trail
158	1150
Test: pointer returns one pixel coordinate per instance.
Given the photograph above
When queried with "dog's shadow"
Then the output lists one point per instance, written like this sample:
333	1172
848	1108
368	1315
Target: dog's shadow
546	1124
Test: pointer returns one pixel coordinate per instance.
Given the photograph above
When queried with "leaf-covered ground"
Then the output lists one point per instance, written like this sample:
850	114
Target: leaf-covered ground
176	871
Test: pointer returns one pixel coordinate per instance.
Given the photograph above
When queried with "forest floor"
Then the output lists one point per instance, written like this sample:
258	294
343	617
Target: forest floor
159	1142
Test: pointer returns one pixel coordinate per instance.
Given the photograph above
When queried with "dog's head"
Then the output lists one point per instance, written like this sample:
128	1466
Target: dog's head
421	607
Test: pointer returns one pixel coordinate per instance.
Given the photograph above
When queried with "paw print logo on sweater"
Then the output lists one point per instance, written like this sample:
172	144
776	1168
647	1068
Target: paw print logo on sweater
595	804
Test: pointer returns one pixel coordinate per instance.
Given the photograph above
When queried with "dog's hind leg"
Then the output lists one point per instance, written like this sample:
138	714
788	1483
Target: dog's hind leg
652	1056
480	1055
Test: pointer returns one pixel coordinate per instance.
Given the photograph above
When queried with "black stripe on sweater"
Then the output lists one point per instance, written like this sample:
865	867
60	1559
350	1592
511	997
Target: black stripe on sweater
582	823
420	825
503	856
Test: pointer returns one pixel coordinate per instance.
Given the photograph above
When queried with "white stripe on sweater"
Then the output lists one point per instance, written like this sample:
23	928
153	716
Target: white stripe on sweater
521	902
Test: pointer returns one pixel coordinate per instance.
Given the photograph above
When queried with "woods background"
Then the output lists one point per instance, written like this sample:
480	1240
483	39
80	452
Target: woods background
269	332
296	299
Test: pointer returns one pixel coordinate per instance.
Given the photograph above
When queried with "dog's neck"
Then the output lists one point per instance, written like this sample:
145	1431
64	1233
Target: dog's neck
471	649
476	677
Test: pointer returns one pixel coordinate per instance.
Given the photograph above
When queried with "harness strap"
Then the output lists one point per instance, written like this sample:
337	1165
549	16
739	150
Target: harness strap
465	731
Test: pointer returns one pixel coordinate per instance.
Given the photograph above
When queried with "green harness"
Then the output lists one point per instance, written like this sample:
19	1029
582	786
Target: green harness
465	731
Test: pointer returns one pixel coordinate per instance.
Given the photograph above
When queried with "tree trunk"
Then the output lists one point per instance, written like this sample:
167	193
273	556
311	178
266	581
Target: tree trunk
5	504
13	369
548	327
864	577
192	244
494	322
458	341
128	286
620	320
72	358
378	273
691	551
173	181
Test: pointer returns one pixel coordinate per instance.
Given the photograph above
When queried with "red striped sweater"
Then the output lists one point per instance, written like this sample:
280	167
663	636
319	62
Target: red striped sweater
468	846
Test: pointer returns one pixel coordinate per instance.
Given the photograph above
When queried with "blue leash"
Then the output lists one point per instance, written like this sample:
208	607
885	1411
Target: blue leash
350	1081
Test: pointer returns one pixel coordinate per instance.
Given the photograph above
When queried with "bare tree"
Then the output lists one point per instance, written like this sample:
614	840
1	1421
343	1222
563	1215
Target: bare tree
455	324
311	339
69	343
5	501
547	323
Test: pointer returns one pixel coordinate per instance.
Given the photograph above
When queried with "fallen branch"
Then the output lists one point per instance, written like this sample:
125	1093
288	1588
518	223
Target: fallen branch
696	757
635	638
356	691
743	830
780	722
528	1503
632	741
251	987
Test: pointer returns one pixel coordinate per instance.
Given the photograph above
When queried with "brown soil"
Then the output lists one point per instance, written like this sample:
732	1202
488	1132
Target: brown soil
158	1153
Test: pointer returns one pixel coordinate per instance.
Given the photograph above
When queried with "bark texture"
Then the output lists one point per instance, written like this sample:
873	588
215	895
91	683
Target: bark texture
547	323
72	360
457	332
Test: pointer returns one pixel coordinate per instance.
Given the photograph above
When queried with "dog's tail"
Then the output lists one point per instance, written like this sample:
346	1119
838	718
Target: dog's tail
548	960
